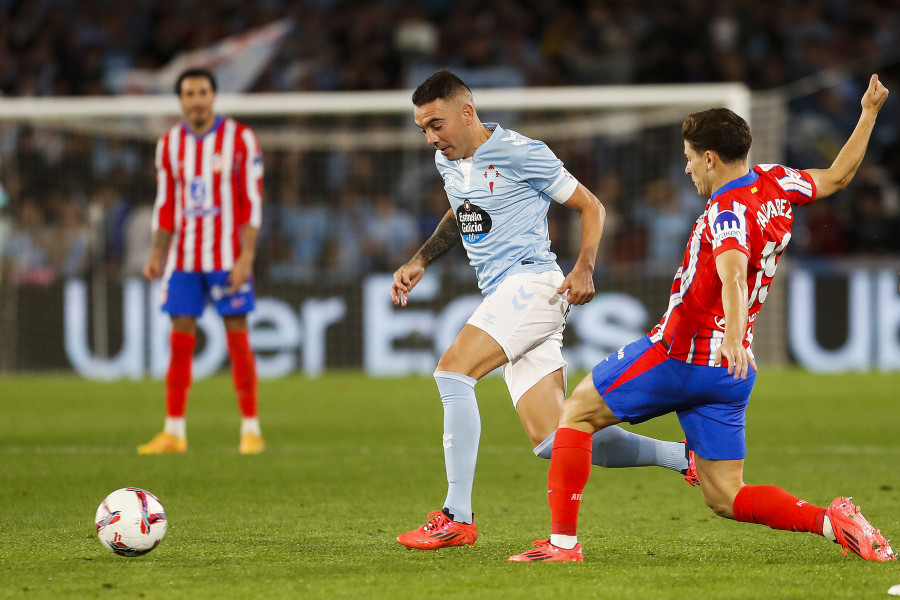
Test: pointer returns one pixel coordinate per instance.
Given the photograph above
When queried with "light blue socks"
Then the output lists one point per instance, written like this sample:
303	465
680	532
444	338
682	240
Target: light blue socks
462	431
615	448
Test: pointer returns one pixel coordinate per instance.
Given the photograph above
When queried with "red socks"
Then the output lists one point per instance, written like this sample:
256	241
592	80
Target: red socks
178	377
243	372
570	468
772	506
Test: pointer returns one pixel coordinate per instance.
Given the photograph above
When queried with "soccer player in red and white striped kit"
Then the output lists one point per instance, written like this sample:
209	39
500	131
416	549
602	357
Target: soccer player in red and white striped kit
698	361
206	219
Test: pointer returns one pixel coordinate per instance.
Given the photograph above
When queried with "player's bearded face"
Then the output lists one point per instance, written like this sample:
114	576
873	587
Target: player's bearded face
197	97
442	123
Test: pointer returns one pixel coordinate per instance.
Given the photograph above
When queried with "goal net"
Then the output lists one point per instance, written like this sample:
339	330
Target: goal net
350	192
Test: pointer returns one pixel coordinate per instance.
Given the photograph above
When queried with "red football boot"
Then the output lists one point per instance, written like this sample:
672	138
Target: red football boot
856	534
439	531
544	551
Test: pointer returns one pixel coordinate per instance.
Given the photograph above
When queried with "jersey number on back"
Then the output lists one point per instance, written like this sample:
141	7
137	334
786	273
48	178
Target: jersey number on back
768	263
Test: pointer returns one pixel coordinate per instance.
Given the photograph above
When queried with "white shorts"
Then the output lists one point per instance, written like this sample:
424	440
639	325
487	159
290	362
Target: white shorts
526	317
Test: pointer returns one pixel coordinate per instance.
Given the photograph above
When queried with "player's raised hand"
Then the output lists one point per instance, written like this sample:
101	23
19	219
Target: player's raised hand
405	279
578	286
875	95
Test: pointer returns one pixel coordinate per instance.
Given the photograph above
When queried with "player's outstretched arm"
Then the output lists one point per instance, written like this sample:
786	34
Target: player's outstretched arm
445	236
841	172
579	284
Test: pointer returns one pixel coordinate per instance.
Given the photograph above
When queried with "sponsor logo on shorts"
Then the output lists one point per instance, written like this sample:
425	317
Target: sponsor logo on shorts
219	292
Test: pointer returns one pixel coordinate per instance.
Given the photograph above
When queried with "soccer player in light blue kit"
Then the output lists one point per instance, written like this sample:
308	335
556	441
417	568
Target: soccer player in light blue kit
500	185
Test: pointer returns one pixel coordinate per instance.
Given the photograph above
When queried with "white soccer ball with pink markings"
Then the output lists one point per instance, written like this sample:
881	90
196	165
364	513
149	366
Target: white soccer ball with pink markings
131	522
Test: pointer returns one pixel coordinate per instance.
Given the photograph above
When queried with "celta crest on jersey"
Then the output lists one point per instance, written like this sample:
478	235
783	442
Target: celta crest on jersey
474	223
491	174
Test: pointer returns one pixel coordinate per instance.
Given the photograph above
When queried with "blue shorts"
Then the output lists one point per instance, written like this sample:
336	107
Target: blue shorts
640	382
187	293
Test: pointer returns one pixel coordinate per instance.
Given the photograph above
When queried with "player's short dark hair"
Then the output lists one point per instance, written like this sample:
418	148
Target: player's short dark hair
195	72
441	85
719	130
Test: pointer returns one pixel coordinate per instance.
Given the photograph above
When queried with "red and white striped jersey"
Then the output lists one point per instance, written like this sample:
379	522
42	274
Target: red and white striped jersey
207	188
752	214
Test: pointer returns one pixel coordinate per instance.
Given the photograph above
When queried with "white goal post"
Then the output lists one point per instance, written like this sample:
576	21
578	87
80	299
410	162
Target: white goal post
731	95
627	109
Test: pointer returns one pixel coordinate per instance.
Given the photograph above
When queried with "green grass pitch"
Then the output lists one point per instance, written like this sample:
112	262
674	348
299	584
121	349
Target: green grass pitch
353	461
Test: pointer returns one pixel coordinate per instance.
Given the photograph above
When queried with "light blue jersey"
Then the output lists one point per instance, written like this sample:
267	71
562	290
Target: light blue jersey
501	197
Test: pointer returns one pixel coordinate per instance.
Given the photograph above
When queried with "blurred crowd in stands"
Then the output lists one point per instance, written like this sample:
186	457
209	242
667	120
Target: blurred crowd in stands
355	219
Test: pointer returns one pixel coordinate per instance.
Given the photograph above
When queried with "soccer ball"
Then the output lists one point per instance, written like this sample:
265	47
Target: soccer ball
130	522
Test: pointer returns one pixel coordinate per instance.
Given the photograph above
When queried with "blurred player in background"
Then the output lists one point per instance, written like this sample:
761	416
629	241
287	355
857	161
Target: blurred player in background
500	185
698	362
205	223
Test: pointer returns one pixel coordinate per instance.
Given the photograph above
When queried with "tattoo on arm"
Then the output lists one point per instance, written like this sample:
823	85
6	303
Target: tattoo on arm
444	237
